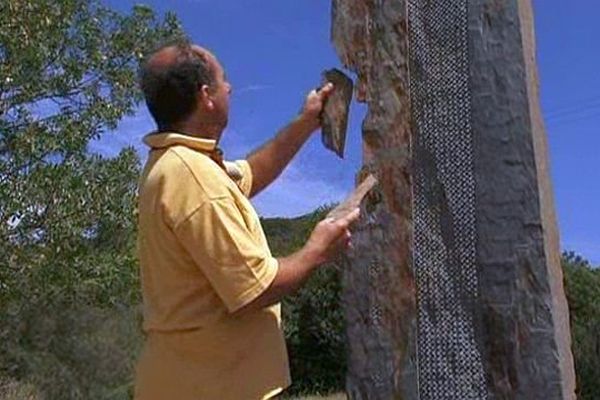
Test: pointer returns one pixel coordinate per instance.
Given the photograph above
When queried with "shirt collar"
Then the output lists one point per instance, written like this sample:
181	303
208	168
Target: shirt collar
167	139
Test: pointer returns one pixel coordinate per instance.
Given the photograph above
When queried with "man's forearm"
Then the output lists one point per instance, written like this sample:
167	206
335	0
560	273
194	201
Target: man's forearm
269	161
292	273
325	242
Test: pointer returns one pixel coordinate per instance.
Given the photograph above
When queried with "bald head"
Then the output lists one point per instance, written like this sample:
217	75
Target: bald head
165	56
170	79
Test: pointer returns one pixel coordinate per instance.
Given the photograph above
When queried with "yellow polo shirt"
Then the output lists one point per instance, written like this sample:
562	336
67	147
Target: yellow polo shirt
203	255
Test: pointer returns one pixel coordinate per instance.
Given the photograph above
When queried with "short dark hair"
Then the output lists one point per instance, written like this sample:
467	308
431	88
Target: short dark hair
170	90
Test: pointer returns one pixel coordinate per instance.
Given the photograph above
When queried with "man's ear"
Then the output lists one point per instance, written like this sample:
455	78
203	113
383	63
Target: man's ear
205	97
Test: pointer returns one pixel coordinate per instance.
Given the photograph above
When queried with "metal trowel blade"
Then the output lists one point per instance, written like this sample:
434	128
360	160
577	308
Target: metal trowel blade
334	119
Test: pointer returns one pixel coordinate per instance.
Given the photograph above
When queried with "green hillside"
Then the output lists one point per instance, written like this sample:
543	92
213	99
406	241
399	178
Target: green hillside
61	348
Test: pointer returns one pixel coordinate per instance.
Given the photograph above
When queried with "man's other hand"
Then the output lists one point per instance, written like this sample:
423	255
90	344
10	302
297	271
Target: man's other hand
313	106
330	238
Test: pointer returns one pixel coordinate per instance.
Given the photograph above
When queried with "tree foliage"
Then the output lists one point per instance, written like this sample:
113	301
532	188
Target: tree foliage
67	218
582	284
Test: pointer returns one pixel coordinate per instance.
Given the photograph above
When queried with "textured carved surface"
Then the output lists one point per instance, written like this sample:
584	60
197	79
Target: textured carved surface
517	308
335	112
449	356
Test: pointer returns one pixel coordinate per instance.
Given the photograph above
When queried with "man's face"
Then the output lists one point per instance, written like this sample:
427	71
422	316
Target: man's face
217	102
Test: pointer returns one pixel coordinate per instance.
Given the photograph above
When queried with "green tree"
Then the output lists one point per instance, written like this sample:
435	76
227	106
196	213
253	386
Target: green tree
67	218
582	285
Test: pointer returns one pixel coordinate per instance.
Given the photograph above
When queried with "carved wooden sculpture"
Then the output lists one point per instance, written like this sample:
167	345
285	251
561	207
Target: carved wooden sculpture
455	288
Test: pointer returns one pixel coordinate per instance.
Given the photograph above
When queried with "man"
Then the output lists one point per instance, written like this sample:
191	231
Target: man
211	288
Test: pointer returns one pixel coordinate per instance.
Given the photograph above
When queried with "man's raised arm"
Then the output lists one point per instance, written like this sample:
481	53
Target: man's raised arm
269	161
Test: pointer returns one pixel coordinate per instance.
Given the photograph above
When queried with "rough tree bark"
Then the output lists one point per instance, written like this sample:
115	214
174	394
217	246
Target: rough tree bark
455	288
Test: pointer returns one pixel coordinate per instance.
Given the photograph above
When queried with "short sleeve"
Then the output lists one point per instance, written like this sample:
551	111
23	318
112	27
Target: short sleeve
237	265
241	173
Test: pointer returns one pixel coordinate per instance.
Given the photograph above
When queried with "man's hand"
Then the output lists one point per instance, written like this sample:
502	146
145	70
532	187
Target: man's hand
330	238
313	106
270	160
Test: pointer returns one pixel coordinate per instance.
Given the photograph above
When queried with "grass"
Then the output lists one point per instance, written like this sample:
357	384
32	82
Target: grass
11	390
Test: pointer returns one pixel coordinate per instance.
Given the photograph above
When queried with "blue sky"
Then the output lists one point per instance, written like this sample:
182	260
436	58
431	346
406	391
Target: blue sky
274	51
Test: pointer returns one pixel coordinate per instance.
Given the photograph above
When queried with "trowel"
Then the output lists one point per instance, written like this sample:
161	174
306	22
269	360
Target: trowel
334	118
